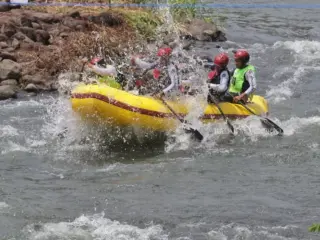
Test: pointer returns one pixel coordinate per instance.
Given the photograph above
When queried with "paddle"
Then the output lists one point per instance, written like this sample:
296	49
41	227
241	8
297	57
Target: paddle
212	98
191	130
265	120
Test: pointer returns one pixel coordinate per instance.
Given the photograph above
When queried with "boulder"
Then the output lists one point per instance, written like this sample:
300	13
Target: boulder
29	32
19	36
6	55
36	25
7	91
8	29
201	30
31	88
15	44
34	79
10	49
75	23
75	14
221	37
43	17
4	8
3	38
11	82
26	22
42	36
64	35
80	28
186	45
107	19
9	70
3	45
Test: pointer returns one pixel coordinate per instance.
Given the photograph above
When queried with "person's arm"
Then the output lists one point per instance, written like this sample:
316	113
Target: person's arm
107	71
232	72
251	78
174	80
143	64
223	86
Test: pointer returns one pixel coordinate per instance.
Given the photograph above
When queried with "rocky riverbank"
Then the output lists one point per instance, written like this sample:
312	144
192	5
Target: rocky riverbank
35	47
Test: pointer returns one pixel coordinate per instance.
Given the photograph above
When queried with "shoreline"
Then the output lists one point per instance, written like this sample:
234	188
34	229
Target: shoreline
38	44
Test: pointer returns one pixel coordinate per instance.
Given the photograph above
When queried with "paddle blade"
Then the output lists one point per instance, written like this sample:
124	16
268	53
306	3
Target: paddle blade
195	133
279	129
230	126
270	125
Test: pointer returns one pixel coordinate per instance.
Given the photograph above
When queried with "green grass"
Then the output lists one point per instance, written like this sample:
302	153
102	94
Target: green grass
183	14
144	21
315	227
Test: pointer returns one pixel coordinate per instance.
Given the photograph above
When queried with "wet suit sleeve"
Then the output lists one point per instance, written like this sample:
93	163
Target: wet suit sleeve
174	80
145	65
223	86
107	71
251	78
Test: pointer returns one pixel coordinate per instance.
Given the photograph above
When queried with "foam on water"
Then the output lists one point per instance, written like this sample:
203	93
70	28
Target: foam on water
285	89
236	232
296	124
98	227
8	131
20	104
304	50
3	205
14	147
93	227
306	55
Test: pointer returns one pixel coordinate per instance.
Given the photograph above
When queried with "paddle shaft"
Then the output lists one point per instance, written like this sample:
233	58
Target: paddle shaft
212	98
279	129
221	112
274	125
174	113
195	132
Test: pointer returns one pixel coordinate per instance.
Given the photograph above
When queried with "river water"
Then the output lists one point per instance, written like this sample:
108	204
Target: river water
255	186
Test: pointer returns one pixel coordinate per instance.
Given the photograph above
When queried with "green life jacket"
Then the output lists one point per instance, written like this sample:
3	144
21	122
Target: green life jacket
238	78
110	81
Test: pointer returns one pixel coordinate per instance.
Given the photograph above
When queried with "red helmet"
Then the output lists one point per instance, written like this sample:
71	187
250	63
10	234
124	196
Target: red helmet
242	55
164	52
221	60
95	60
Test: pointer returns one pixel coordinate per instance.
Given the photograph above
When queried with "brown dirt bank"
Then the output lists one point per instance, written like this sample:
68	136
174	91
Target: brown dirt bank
36	46
39	43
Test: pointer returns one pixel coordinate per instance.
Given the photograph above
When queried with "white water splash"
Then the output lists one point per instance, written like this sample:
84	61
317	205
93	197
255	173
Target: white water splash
296	124
14	147
306	58
112	168
234	232
285	89
93	227
3	206
308	51
8	131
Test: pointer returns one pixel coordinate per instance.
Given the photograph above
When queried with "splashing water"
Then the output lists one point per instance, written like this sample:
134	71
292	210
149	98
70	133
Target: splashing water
93	227
306	57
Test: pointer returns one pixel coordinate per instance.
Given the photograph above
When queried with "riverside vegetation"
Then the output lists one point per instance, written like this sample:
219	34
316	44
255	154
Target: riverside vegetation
39	43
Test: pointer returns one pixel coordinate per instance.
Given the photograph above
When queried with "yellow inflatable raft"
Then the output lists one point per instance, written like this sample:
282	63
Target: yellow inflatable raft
101	103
